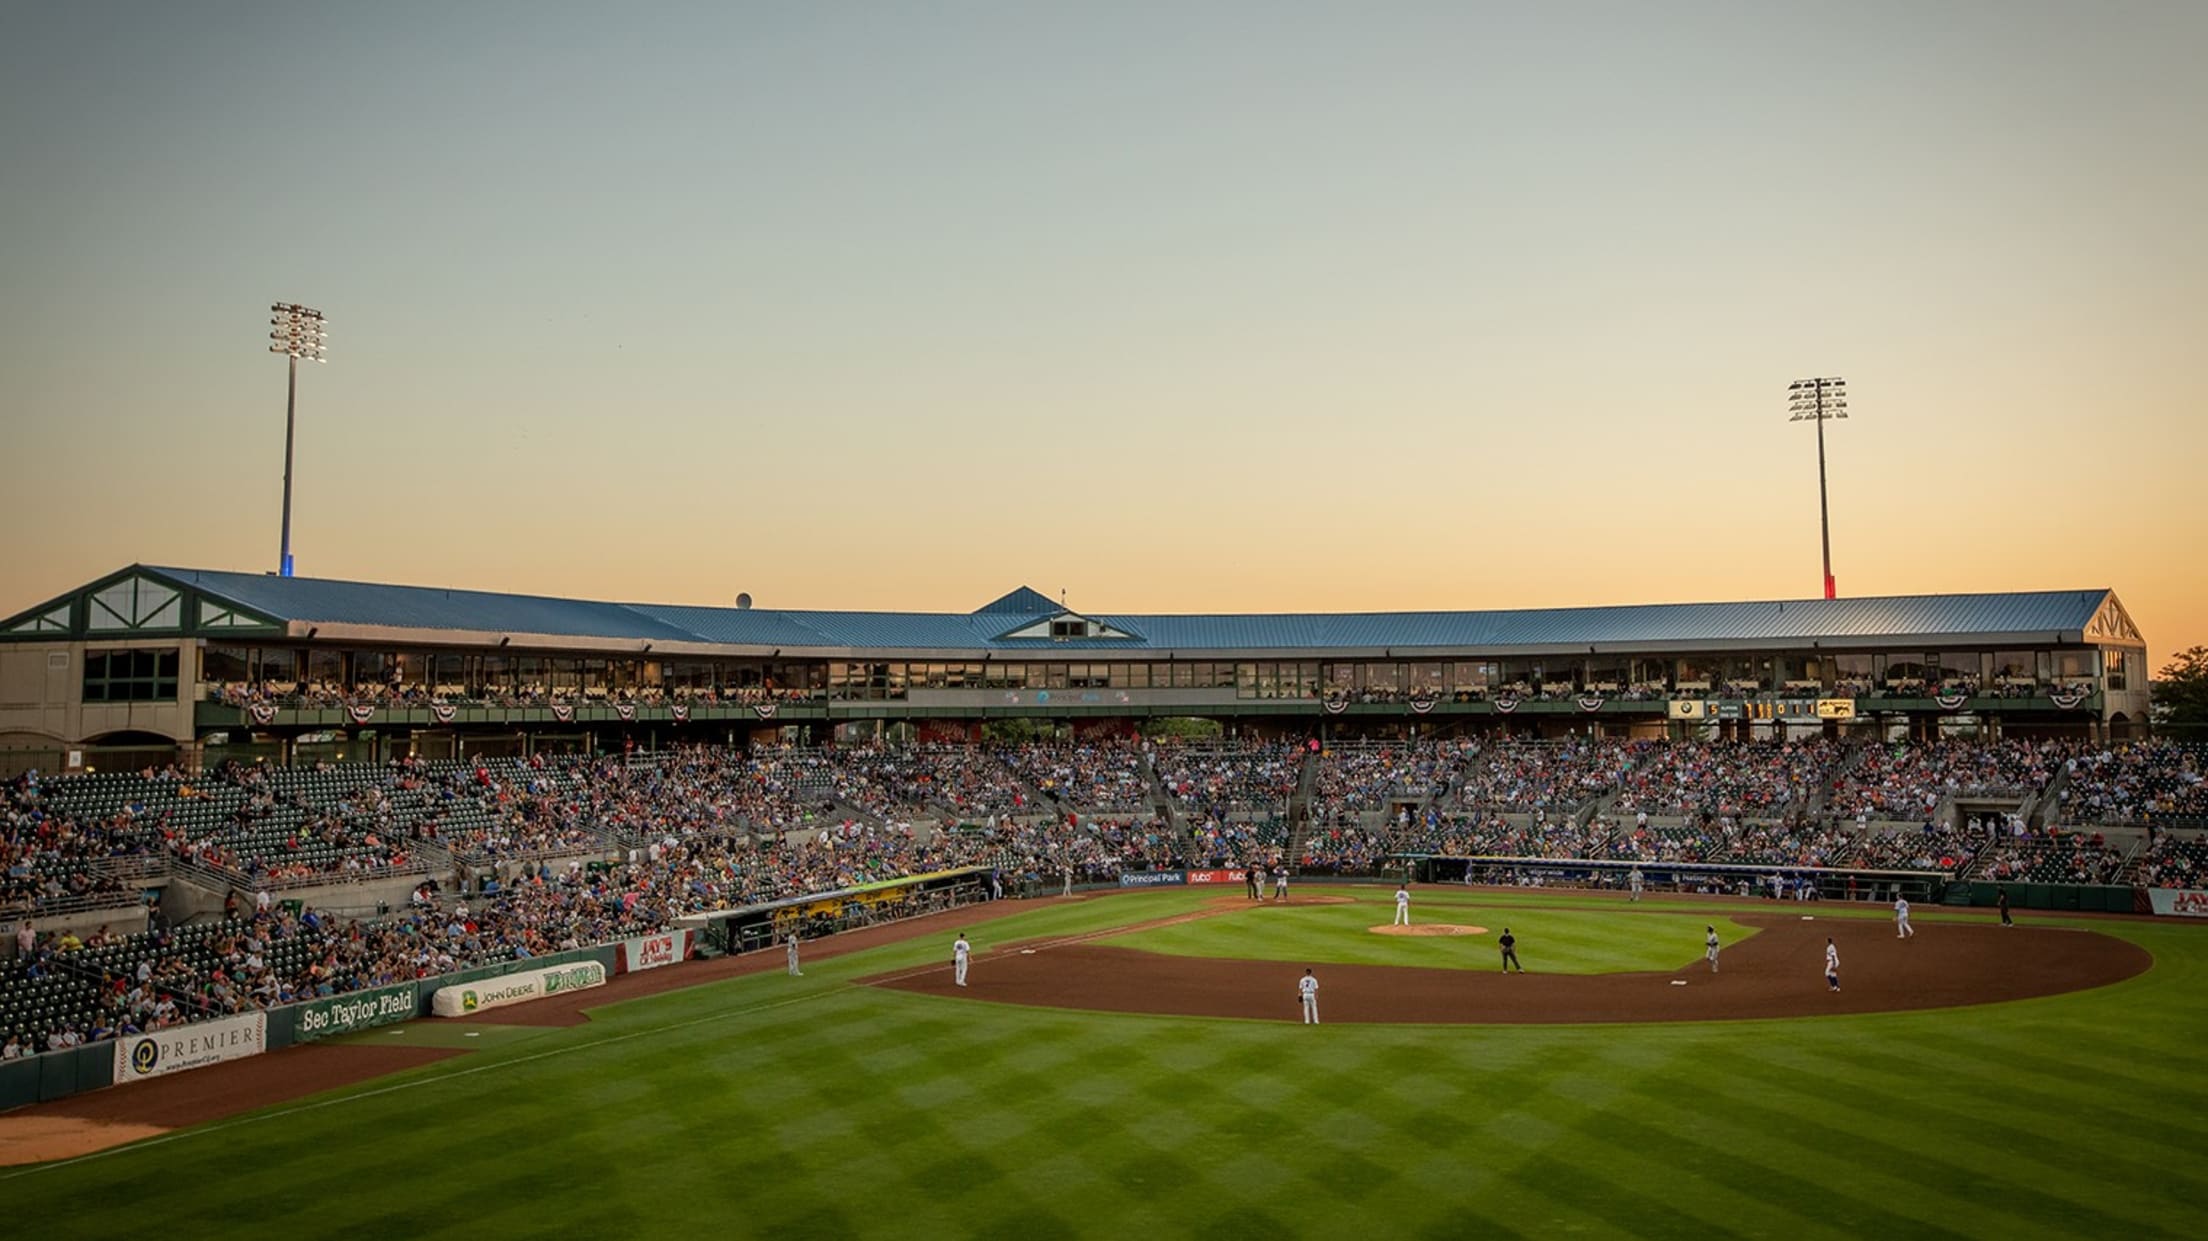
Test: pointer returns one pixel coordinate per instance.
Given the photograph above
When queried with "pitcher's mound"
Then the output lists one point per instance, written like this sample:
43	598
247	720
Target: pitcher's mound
1430	928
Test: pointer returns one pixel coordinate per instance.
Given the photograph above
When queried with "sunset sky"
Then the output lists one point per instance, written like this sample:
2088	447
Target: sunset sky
1172	307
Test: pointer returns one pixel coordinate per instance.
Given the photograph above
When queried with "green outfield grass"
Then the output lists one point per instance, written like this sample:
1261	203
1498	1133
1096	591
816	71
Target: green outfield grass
796	1108
1553	938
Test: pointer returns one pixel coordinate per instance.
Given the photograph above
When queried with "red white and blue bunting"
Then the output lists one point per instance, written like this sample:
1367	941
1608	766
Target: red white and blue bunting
766	710
1590	703
1507	703
562	712
1420	706
2068	702
442	712
1335	706
1951	702
361	714
681	712
626	710
261	712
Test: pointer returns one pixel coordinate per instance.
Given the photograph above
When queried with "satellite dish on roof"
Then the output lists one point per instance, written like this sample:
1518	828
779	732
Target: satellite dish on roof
744	600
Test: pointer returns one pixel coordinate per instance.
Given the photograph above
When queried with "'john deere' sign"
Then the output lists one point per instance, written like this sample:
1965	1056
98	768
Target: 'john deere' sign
516	987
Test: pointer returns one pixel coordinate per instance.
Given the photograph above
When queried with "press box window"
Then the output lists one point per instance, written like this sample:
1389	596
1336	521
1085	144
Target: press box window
130	676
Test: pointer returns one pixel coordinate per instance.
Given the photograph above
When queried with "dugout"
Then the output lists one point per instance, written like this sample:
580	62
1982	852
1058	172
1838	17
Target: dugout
1921	887
748	928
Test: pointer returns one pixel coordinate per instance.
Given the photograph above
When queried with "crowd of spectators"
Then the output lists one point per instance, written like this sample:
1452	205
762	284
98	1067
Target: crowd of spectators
1221	781
1551	777
2175	862
1758	779
2146	782
1102	777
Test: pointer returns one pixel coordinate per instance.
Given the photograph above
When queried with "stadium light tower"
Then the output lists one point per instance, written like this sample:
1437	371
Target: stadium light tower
297	332
1820	400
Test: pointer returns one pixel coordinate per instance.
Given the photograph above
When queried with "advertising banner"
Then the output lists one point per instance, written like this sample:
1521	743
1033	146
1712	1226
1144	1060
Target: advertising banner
650	952
1689	709
1217	876
1151	878
2179	902
518	987
1836	708
363	1010
195	1046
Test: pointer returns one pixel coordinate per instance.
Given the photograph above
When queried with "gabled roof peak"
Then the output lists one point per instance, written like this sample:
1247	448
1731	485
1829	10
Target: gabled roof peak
1026	601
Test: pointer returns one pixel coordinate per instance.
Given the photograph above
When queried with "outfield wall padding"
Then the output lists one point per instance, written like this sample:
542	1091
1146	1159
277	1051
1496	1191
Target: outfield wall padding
2057	897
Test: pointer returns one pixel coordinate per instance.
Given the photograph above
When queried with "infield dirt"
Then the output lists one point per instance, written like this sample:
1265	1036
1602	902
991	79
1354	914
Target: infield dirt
1778	972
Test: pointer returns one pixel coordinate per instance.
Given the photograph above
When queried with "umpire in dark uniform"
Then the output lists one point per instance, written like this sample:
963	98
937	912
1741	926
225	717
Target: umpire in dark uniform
1509	944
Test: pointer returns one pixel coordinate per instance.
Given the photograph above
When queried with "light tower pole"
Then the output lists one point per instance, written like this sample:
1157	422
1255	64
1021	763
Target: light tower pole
297	332
1820	400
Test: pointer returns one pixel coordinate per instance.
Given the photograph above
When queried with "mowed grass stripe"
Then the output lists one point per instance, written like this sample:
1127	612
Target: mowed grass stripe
1778	1129
1913	1145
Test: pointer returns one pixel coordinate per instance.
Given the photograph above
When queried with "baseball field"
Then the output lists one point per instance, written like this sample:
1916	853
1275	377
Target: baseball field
1134	1065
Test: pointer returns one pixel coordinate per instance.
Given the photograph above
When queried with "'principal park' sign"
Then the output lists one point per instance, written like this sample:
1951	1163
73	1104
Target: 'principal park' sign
516	987
360	1011
195	1046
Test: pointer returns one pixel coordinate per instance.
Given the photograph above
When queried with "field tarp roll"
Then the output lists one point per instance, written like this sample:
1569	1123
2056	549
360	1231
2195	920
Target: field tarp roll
2179	902
516	987
195	1046
360	1010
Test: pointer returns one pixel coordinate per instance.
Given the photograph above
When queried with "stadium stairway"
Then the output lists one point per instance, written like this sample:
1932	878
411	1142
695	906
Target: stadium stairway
1299	807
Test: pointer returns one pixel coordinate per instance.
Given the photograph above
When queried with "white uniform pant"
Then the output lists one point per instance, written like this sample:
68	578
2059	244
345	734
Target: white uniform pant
958	971
1310	1010
1402	915
1902	929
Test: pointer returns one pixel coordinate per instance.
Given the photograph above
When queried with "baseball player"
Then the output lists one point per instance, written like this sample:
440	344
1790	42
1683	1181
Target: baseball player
1509	943
2001	898
1832	964
794	971
1902	929
1253	879
1280	882
1403	905
960	951
1307	989
1633	878
1068	889
1711	953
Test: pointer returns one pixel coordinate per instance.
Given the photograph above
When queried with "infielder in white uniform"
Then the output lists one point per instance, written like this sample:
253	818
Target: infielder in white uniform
1902	929
1712	953
794	971
1403	905
1280	883
1832	965
1633	877
959	952
1307	989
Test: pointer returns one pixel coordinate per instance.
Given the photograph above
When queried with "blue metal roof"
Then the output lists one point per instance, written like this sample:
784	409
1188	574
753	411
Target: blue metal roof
2031	614
1027	601
425	607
